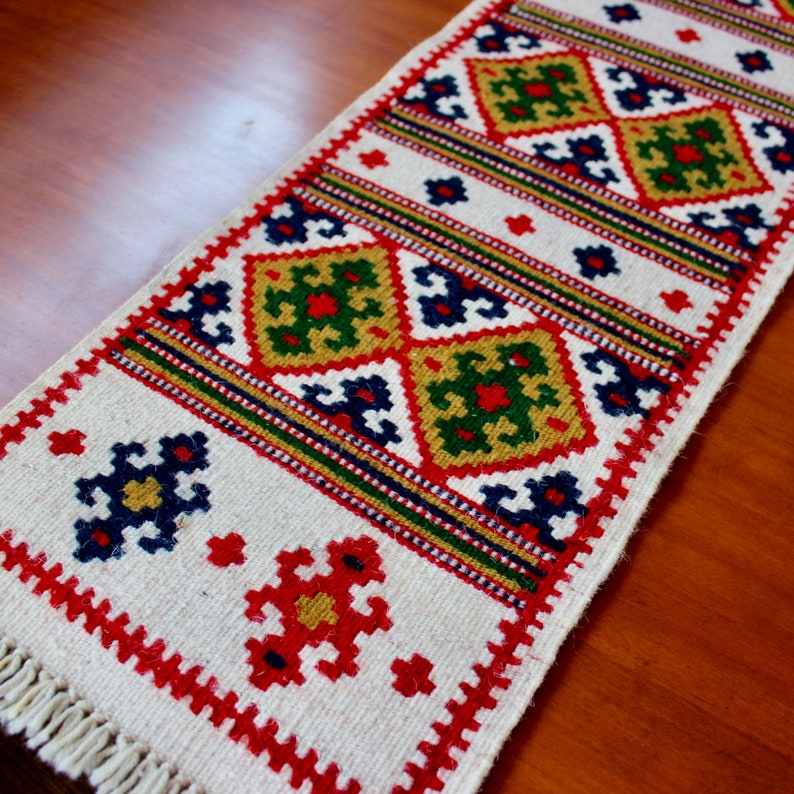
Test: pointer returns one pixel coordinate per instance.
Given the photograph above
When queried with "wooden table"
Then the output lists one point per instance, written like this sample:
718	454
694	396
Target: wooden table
129	126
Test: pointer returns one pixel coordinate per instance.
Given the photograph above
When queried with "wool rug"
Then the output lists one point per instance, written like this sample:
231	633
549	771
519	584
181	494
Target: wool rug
316	508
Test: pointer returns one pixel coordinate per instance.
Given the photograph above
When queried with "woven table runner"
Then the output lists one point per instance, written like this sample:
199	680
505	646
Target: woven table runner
315	510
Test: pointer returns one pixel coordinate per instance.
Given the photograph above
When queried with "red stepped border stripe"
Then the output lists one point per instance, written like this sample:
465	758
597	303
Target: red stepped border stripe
44	406
464	713
167	670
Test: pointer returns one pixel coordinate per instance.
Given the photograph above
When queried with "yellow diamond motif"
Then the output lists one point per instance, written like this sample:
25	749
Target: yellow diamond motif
498	400
311	309
534	94
692	156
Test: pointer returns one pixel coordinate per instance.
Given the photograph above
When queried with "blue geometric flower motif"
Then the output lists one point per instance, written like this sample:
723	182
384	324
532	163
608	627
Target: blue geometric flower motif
294	228
584	151
639	91
454	298
209	300
446	191
735	227
756	61
553	496
622	13
435	97
621	396
596	260
780	155
136	495
364	398
499	38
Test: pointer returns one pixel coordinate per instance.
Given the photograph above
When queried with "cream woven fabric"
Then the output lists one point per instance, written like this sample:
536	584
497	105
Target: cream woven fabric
316	508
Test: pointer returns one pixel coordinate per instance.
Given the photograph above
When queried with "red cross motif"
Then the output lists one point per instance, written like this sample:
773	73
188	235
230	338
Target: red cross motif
520	224
68	443
314	611
227	551
412	676
677	300
373	159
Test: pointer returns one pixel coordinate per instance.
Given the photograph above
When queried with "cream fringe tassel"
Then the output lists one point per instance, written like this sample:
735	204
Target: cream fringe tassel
68	735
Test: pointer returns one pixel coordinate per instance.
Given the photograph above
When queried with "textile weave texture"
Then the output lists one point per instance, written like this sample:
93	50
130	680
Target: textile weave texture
315	510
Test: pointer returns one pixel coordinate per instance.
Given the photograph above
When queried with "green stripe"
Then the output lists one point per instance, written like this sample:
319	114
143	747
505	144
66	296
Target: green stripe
300	448
579	206
492	254
711	82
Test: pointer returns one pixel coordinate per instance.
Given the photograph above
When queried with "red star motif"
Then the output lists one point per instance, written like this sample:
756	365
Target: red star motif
321	305
68	443
413	676
687	154
687	35
226	551
538	90
492	397
373	159
677	300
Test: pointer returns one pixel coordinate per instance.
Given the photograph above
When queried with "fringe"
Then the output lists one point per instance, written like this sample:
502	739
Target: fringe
67	734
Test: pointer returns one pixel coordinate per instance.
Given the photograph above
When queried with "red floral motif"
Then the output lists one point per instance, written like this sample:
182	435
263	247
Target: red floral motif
314	611
413	676
227	551
68	443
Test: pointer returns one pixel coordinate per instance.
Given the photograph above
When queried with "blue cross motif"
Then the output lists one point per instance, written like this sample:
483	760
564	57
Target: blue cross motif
553	496
294	228
139	495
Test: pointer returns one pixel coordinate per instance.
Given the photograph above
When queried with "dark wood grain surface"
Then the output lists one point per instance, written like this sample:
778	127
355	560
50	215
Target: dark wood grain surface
128	127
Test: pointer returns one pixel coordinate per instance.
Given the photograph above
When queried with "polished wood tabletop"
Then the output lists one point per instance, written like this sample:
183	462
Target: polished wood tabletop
129	126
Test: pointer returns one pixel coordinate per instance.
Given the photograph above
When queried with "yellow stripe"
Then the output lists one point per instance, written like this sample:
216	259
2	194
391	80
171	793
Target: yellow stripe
621	341
283	408
616	206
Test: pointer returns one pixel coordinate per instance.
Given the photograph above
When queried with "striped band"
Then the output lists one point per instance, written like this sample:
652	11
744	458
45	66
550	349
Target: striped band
398	499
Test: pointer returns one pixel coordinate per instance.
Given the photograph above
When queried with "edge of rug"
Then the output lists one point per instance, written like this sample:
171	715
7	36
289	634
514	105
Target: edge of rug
590	570
68	733
65	730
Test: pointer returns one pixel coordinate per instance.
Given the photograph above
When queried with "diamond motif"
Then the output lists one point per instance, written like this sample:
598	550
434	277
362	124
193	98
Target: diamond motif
692	156
498	399
311	309
526	96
